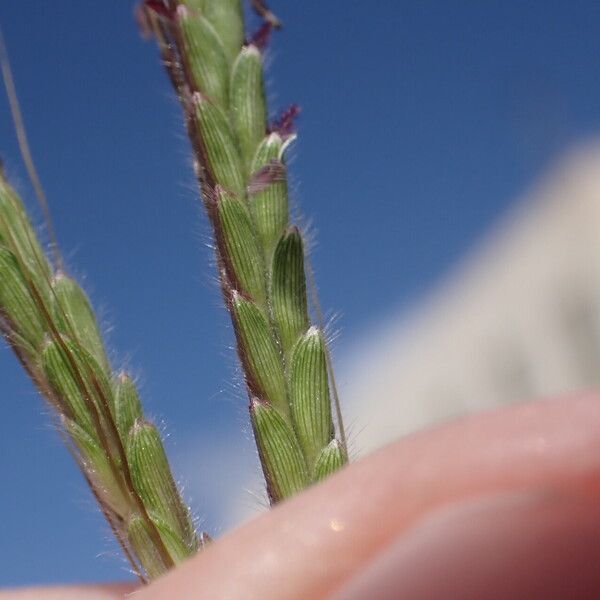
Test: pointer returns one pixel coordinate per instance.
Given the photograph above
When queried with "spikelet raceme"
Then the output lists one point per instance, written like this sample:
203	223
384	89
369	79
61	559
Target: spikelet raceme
47	319
241	168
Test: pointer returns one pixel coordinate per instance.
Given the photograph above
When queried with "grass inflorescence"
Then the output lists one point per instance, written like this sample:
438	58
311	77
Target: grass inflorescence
218	75
48	321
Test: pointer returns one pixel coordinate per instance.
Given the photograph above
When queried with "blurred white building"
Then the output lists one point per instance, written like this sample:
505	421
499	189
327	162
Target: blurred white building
518	319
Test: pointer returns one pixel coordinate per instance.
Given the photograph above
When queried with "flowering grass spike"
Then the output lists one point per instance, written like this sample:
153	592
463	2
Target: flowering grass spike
47	319
240	164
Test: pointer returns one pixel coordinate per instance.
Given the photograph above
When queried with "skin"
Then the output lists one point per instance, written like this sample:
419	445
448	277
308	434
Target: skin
502	504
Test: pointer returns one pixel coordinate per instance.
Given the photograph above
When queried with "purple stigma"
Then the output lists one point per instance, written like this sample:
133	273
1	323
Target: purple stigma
261	37
285	125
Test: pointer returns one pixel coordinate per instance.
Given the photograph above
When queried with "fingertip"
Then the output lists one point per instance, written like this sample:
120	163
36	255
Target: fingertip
534	545
308	546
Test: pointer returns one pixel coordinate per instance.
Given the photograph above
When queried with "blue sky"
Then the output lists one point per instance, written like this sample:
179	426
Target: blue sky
421	123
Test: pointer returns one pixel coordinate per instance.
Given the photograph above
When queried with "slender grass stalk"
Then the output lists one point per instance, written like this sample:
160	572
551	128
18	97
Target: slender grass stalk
46	317
240	165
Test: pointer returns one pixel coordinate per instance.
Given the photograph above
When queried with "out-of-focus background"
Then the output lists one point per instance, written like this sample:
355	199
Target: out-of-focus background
447	160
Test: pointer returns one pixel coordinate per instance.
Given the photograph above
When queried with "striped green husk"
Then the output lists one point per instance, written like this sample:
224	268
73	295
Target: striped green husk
206	57
79	382
283	463
139	534
223	160
268	194
288	289
261	357
226	17
154	483
241	246
17	235
248	109
330	459
75	317
309	394
128	407
18	306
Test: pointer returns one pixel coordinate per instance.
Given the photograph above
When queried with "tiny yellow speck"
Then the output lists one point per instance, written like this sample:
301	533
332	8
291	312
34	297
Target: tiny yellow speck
336	525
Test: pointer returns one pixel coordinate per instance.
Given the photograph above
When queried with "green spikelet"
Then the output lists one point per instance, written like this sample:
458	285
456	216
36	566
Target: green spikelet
268	193
128	407
248	108
142	542
17	305
153	482
288	289
270	149
242	249
174	544
97	468
79	383
226	17
281	457
222	153
309	394
259	353
74	317
205	56
17	234
330	459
